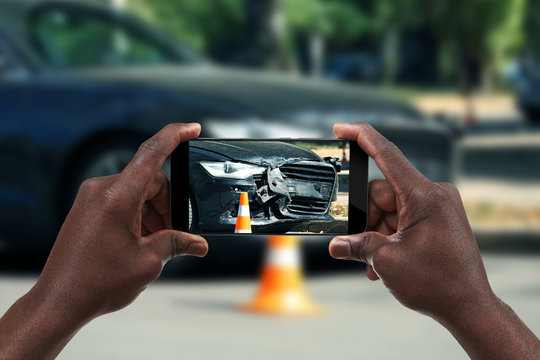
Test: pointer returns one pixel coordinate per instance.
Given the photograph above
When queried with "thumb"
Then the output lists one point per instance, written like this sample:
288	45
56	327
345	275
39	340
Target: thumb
360	247
171	243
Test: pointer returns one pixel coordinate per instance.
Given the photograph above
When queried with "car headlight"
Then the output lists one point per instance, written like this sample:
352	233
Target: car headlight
231	170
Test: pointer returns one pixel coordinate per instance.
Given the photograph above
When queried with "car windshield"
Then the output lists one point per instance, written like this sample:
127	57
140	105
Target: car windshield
68	38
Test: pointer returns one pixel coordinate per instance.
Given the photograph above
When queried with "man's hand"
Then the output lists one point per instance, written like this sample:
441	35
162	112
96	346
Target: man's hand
420	243
117	237
113	243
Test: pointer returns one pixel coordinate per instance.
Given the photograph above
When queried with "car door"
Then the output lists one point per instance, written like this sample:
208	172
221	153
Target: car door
33	108
16	177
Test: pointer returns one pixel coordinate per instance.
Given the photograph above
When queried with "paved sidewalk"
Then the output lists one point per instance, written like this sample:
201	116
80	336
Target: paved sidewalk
199	320
493	107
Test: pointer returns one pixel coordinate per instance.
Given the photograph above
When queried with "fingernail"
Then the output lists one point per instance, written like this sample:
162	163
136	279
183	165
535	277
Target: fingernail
197	249
341	249
339	127
345	125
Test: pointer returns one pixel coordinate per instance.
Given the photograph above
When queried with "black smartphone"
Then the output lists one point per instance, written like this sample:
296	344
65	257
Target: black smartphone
262	186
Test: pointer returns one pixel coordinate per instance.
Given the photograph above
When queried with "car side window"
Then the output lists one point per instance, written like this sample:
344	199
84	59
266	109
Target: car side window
74	38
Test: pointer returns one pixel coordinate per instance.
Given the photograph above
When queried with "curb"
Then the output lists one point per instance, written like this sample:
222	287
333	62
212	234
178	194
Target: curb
508	240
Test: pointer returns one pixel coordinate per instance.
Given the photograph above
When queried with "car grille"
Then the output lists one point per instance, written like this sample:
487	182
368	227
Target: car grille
323	177
308	172
302	205
258	178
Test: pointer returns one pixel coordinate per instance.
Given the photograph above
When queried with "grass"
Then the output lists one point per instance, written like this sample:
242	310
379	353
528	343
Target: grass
339	210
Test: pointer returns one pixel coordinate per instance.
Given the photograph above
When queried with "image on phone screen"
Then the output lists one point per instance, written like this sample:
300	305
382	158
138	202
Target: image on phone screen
295	187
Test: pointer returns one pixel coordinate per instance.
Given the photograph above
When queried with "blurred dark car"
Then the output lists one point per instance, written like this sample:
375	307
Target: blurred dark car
290	188
82	85
526	76
355	67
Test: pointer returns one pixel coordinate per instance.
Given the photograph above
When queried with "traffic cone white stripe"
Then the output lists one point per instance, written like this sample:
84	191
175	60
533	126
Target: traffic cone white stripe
285	257
240	231
243	210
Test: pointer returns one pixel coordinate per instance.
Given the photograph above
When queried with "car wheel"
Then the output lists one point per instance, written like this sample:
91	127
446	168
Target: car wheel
106	159
102	160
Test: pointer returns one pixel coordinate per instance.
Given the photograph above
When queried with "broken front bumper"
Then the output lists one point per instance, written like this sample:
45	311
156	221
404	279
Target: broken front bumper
293	197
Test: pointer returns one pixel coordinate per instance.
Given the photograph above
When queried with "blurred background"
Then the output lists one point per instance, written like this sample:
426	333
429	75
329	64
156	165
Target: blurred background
453	83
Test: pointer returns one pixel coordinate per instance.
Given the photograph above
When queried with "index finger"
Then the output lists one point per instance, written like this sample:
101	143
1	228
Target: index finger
148	160
400	173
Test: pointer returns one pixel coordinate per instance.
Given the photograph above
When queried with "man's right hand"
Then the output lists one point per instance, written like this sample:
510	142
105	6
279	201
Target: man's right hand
420	243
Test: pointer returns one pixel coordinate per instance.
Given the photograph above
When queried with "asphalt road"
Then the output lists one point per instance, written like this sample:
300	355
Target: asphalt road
199	320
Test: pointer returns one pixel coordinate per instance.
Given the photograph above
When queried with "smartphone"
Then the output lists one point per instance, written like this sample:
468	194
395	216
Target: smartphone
263	186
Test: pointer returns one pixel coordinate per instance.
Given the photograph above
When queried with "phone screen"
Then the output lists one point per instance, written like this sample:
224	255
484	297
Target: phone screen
293	186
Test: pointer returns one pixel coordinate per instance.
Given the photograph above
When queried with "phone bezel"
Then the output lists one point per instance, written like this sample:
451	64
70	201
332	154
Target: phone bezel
358	194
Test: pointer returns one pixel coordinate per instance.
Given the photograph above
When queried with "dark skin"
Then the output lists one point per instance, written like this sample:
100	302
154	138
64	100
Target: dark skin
113	243
420	243
117	238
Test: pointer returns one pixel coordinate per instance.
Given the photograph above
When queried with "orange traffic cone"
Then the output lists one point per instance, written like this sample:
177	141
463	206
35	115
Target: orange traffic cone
281	290
344	156
243	221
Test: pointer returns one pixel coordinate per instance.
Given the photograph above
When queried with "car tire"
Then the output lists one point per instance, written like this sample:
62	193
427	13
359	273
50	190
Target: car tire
193	214
107	158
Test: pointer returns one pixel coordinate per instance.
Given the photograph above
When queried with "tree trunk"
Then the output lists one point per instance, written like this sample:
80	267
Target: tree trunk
487	79
390	54
316	52
266	40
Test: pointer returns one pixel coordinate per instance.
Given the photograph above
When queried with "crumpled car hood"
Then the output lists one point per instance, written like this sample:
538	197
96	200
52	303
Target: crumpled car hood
258	152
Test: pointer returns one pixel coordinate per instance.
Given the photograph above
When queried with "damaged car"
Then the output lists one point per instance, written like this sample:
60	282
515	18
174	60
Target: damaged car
290	188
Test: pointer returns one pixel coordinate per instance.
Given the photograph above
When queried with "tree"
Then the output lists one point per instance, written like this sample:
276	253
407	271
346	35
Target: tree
474	37
213	27
531	28
481	35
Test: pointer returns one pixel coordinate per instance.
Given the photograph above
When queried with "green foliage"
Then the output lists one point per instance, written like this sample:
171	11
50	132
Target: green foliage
532	27
488	31
346	23
202	24
506	39
325	17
